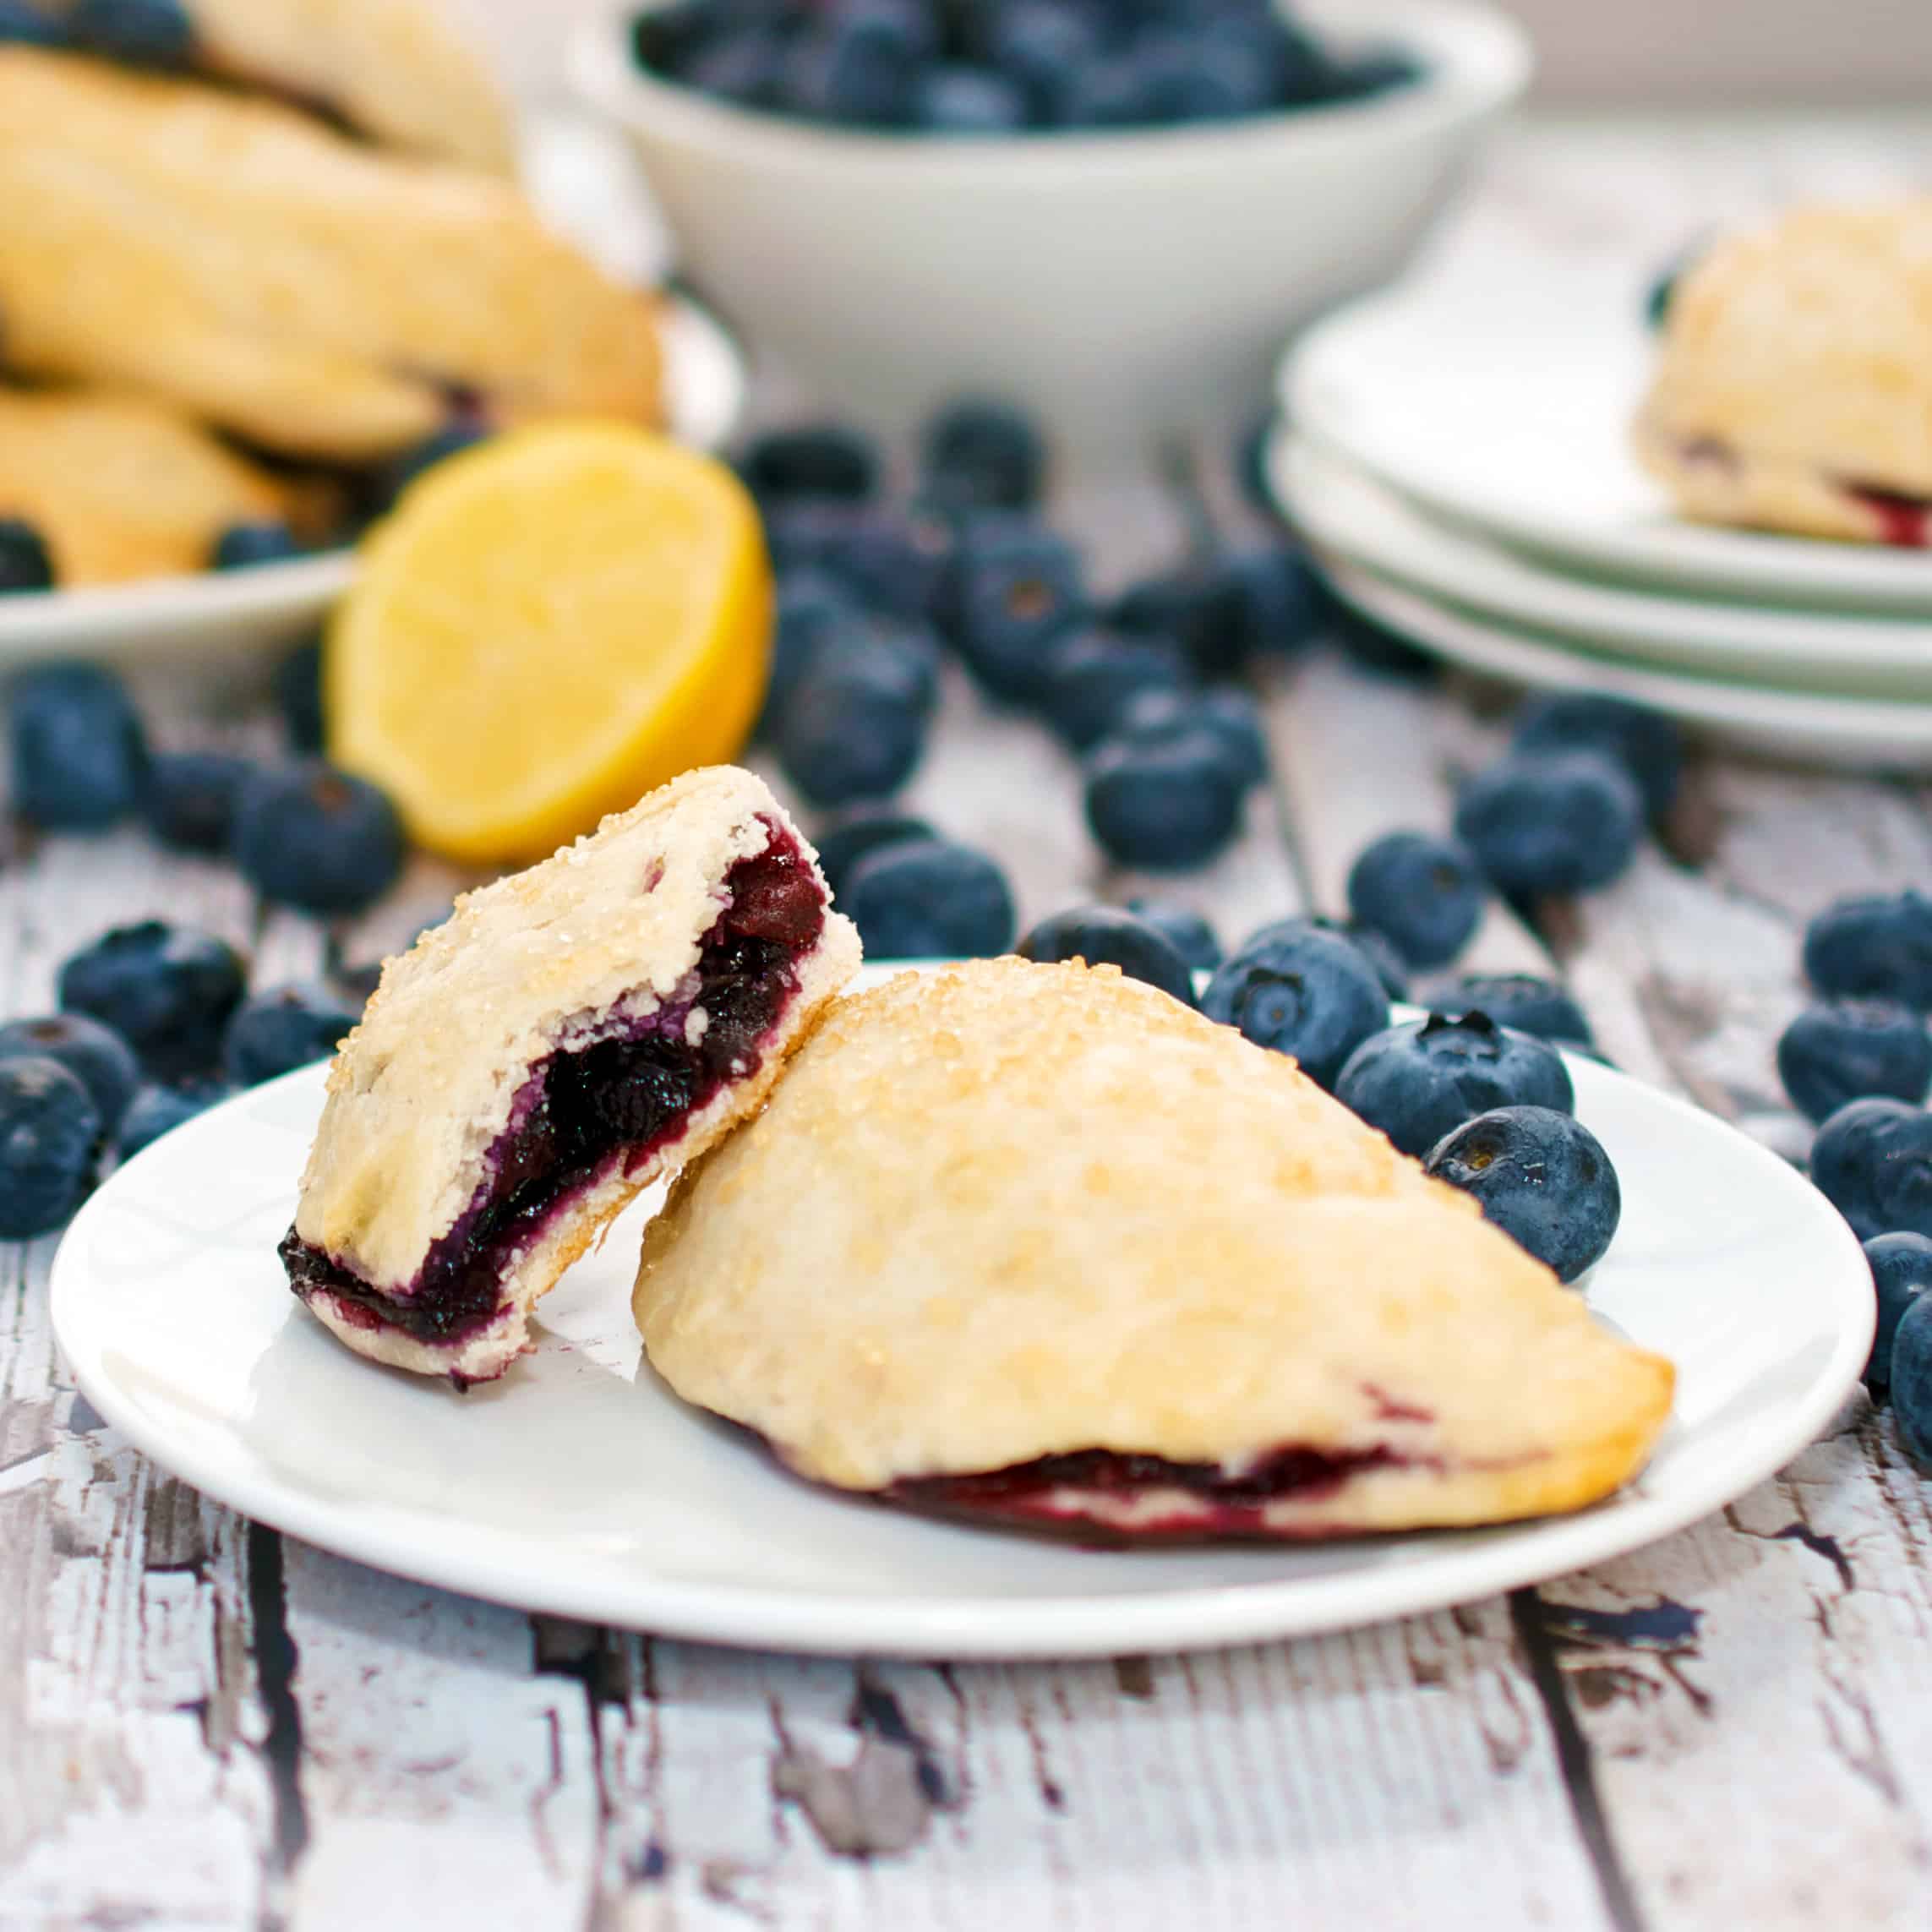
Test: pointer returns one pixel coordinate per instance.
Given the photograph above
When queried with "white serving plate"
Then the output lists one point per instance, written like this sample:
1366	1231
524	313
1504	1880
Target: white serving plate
580	1485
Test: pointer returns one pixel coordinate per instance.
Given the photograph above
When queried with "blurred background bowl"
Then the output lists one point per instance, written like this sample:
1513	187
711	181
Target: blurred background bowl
1118	283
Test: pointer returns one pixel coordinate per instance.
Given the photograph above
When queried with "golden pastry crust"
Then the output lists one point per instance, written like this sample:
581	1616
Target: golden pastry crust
1013	1211
120	486
1795	377
313	295
599	937
396	69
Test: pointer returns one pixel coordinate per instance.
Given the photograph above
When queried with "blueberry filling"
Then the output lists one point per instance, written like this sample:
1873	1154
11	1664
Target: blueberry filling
584	1109
1904	521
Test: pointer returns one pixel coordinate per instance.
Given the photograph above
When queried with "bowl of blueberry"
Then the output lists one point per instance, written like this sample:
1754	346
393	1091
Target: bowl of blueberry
1110	211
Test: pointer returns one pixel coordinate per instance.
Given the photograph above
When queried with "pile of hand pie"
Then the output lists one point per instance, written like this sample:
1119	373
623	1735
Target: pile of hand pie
242	292
1032	1243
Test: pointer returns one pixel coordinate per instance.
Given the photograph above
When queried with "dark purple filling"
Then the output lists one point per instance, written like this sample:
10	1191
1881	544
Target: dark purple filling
623	1098
1904	521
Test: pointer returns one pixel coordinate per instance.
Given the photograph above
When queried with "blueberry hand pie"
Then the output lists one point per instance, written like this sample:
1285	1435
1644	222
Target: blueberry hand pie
573	1032
1794	389
253	267
1039	1245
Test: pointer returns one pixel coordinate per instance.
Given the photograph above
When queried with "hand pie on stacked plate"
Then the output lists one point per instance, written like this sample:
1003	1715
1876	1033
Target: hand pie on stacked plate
1039	1245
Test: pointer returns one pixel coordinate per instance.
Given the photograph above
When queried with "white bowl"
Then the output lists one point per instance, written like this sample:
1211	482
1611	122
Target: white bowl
1116	283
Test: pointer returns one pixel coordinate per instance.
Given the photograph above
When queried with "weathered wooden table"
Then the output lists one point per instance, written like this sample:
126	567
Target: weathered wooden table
204	1724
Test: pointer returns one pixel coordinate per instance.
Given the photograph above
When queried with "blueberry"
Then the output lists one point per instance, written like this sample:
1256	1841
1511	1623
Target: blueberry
139	33
25	24
49	1132
1873	948
160	1110
1873	1161
1044	47
746	65
930	899
1017	587
1912	1381
1902	1271
1543	1178
813	459
813	609
242	546
1231	718
1420	1082
1540	825
166	989
316	839
1262	600
1090	677
25	563
298	695
284	1027
1423	894
1523	1001
858	63
80	756
970	100
1839	1051
1380	956
1646	742
842	846
1212	76
1102	936
1183	929
1301	991
1110	91
191	796
894	563
855	726
663	38
1164	805
981	455
462	433
95	1055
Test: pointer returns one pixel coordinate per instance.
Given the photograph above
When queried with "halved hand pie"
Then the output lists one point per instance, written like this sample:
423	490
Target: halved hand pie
1038	1244
571	1034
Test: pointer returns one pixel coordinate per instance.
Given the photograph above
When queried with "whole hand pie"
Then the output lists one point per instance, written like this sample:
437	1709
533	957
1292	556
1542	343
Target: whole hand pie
1794	387
1040	1245
253	267
571	1034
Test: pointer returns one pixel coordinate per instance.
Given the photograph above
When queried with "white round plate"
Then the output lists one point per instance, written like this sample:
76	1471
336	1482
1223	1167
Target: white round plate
218	612
1344	510
1509	407
1862	734
580	1485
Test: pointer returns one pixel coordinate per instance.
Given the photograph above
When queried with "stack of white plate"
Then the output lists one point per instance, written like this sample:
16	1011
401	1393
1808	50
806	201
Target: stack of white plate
1459	457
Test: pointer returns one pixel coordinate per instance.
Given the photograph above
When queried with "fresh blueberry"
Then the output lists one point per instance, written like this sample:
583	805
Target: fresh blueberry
663	38
284	1027
1873	1161
1838	1051
25	563
1420	1082
1302	991
298	695
1648	744
1518	1000
1090	677
1380	956
95	1055
854	727
242	546
1164	805
1541	825
1110	91
1258	601
462	433
1183	929
50	1130
981	455
814	608
191	796
1912	1381
858	63
813	459
893	562
1423	894
930	899
1211	76
842	846
1104	936
160	1110
316	839
1231	716
1873	948
166	989
957	99
1543	1178
1902	1271
139	32
1044	47
746	65
1017	587
80	756
25	24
